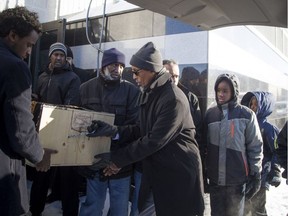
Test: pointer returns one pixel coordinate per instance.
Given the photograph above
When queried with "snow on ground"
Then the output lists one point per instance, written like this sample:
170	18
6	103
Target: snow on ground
277	203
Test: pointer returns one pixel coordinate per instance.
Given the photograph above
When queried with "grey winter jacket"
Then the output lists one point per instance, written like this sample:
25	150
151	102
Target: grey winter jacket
233	148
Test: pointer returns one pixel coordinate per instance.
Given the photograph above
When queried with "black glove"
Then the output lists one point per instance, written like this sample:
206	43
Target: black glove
101	161
274	176
101	128
253	186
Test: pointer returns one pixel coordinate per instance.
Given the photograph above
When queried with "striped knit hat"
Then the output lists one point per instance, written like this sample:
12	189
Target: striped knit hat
57	46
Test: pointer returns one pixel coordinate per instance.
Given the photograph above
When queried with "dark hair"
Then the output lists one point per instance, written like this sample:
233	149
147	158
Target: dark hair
169	61
20	20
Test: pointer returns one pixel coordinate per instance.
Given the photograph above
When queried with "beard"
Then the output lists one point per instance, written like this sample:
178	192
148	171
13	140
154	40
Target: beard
110	76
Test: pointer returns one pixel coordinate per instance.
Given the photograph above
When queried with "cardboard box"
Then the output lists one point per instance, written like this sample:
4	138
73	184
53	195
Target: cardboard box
63	128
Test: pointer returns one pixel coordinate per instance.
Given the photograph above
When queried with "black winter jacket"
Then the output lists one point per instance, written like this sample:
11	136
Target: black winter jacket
167	147
116	97
59	87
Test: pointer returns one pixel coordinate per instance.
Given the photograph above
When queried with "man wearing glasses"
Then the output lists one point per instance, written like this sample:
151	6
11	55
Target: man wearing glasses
164	141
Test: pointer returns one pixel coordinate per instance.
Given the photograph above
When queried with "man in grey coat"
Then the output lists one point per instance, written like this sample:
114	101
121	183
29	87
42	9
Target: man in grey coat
164	141
19	31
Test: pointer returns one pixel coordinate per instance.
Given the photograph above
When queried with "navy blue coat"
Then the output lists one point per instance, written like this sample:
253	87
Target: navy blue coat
18	137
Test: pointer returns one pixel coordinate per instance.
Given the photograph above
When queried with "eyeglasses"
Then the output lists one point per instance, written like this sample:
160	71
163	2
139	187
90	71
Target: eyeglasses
136	72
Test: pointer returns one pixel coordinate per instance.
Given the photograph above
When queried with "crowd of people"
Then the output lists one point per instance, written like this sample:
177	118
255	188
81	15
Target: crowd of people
164	142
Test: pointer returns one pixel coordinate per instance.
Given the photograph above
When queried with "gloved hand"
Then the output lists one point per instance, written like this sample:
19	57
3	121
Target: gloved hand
274	176
252	186
101	128
101	161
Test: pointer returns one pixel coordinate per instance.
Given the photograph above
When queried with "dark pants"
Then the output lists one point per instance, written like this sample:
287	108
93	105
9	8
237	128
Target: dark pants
68	181
256	206
227	200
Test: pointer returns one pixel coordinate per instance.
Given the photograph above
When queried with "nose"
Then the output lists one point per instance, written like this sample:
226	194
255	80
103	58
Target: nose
29	50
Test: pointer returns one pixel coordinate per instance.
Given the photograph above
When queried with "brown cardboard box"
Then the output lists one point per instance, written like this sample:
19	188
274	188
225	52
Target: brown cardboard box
63	128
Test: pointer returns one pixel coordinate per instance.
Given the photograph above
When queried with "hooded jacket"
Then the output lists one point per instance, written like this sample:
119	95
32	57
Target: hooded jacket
165	143
18	137
266	103
233	148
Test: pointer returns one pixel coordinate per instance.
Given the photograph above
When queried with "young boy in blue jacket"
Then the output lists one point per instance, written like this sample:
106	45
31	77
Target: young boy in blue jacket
262	103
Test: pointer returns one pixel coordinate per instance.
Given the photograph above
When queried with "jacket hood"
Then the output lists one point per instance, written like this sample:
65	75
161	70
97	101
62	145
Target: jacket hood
234	83
266	103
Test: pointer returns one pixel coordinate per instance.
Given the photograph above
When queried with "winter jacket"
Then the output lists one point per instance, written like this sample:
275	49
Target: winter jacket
194	109
18	137
165	141
59	87
116	97
282	150
84	75
233	146
269	133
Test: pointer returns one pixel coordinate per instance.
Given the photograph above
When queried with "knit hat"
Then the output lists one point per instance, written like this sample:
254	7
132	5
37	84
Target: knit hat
190	73
57	46
113	56
69	52
147	58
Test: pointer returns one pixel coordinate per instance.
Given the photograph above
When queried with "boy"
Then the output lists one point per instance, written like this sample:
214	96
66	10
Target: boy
262	104
232	151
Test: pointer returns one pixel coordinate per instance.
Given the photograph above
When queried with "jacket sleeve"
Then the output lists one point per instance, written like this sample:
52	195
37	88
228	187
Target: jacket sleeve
72	95
20	128
157	138
254	145
282	146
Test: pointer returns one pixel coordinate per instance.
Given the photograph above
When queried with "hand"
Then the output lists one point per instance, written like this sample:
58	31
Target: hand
44	164
111	170
101	161
101	128
274	176
253	186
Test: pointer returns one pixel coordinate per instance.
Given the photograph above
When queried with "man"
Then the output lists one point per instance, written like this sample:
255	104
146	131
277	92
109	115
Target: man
19	31
164	141
84	75
173	68
60	86
110	93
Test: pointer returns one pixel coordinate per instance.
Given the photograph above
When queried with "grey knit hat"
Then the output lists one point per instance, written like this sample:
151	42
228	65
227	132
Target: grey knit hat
57	46
147	58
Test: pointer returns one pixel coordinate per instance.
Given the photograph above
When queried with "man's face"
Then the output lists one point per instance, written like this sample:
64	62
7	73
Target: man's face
142	77
22	46
57	59
174	71
113	71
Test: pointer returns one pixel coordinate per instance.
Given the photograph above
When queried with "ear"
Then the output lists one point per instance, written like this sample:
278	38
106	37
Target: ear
12	36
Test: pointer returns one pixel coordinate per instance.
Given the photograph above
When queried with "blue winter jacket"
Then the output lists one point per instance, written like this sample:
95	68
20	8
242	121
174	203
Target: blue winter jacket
269	131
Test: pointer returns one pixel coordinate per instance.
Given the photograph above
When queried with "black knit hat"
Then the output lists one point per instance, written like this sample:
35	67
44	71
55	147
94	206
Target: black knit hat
113	56
190	73
69	52
147	58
